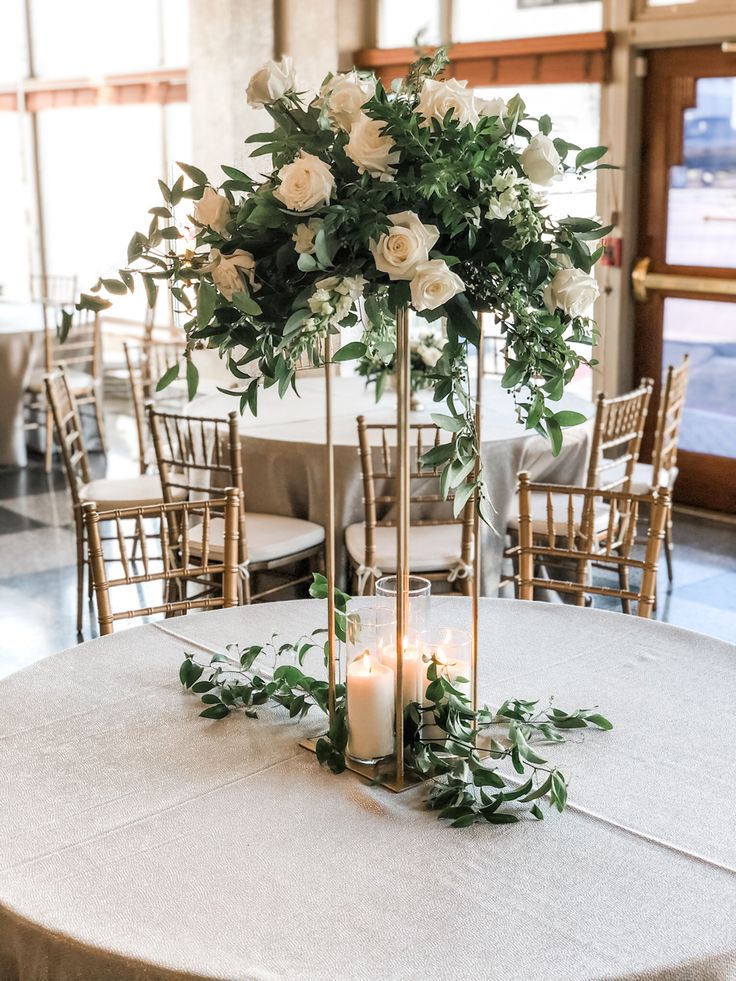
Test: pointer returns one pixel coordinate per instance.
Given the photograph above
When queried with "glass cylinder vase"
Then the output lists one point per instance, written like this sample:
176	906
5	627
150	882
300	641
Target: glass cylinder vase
370	633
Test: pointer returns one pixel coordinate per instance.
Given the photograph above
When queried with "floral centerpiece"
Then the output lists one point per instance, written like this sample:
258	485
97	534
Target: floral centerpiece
378	366
424	194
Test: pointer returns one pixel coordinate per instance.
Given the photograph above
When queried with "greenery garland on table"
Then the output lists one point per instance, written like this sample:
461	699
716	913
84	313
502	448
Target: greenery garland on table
424	194
465	783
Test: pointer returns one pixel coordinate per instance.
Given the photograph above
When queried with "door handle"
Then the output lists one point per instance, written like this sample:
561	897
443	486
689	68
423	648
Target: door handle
643	280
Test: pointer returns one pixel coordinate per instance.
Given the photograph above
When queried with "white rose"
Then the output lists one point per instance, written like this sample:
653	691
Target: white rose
438	98
490	107
305	183
304	235
434	283
398	251
540	160
271	82
320	302
344	95
228	271
213	209
370	151
572	291
429	355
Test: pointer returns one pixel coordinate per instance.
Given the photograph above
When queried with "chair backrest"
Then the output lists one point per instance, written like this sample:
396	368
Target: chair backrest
198	456
379	463
669	419
82	349
133	359
617	435
152	544
585	525
69	432
54	291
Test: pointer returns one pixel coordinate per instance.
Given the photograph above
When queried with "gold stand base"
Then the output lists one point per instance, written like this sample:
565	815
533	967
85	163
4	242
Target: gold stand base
383	772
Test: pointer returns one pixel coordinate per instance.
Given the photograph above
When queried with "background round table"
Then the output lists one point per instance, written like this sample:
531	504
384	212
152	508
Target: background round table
285	466
138	841
21	331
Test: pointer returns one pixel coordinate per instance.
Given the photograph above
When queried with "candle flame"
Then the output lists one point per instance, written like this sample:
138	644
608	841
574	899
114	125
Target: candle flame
366	662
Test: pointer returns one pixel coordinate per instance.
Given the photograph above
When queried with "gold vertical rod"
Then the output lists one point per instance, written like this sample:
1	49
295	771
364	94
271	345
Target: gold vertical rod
403	494
475	603
330	530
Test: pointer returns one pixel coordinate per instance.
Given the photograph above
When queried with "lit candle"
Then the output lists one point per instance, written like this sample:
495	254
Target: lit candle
443	654
370	693
413	670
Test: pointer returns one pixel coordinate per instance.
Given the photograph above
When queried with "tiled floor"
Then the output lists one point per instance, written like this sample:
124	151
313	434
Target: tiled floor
38	576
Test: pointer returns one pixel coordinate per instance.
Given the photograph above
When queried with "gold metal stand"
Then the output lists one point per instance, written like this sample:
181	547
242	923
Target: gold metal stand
475	602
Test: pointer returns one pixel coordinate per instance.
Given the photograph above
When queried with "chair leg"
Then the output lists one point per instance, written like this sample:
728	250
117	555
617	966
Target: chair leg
49	436
80	577
623	582
669	546
100	419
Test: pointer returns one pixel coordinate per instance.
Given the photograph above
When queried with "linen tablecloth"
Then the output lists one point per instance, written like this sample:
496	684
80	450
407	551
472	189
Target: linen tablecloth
138	841
283	451
21	332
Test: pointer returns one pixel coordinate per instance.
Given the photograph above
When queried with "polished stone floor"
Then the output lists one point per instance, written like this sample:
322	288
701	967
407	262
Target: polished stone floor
38	578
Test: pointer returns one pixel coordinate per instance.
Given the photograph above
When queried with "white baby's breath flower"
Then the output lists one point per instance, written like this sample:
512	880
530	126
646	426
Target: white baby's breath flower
371	151
398	251
433	284
438	98
213	211
306	183
271	82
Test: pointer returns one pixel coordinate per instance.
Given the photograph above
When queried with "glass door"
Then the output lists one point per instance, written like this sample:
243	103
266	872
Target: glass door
685	277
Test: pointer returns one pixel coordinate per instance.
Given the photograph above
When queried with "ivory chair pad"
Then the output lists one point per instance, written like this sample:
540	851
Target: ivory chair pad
112	493
268	537
643	479
559	508
431	547
79	381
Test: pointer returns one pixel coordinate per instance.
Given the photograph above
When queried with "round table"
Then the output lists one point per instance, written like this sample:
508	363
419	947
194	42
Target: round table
138	841
285	466
21	328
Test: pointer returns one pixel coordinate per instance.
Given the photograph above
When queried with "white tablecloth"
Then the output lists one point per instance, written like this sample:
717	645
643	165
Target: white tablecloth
21	330
285	466
138	841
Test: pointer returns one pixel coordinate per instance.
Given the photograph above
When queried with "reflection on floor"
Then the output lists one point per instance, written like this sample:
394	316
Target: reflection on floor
38	576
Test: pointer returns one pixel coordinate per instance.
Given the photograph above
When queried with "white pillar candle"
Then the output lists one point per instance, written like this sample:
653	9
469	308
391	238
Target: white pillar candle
370	693
413	671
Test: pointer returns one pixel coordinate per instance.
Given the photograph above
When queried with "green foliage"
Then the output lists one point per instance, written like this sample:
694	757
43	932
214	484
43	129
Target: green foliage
462	767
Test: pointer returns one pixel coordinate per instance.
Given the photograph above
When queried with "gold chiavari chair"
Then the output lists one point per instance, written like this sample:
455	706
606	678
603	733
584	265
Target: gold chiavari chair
109	493
81	358
196	457
171	561
145	364
663	470
54	291
570	535
617	435
440	547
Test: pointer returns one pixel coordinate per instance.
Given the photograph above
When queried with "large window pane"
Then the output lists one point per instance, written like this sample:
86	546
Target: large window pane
399	22
706	330
105	39
12	41
14	241
474	21
701	223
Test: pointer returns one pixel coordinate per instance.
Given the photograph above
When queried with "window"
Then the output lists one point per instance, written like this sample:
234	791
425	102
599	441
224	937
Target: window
400	22
473	21
14	243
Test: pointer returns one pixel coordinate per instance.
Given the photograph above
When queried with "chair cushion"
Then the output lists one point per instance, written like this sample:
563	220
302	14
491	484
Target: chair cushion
642	481
431	547
559	508
79	381
269	537
111	493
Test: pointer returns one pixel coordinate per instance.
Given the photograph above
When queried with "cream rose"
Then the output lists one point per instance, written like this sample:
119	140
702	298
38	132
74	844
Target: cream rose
228	271
306	183
304	235
429	355
213	210
271	82
490	107
433	284
540	161
371	152
398	251
438	98
344	95
572	291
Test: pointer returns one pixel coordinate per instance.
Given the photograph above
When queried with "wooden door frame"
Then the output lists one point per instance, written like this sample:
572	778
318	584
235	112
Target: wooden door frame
670	71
